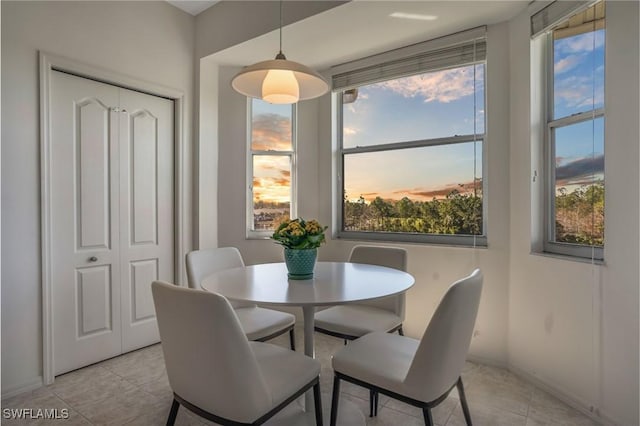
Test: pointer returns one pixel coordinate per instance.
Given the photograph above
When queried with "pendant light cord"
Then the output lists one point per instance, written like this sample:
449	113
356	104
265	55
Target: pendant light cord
280	26
280	55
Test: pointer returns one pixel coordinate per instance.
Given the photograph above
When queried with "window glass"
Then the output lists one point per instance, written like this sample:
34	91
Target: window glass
578	72
428	186
270	166
579	183
432	189
575	146
270	126
431	105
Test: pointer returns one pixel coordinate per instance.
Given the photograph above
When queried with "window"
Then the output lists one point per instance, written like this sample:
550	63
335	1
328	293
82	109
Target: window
574	138
271	168
411	141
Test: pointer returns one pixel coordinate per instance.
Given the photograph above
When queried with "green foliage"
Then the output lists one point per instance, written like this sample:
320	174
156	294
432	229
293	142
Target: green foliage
456	214
580	215
299	234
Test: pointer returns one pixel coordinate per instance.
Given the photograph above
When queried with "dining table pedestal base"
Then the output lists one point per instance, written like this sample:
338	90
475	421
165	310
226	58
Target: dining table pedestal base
295	415
308	313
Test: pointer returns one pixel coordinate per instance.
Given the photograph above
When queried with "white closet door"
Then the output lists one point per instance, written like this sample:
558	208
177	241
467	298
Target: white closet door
146	211
84	222
111	217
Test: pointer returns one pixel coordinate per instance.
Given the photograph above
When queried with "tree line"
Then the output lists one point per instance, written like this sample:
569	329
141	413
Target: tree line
579	215
457	213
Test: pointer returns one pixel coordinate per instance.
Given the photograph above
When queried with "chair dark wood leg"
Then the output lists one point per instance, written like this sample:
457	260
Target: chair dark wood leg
345	342
463	402
335	398
400	331
372	397
428	420
318	403
292	339
173	413
375	404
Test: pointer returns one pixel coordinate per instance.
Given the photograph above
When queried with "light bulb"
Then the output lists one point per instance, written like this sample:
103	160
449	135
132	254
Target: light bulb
280	87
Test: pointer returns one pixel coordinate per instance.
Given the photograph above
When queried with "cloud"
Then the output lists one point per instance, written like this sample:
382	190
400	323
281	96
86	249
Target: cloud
271	132
567	63
282	182
463	188
273	189
262	165
575	172
349	131
578	91
581	43
440	86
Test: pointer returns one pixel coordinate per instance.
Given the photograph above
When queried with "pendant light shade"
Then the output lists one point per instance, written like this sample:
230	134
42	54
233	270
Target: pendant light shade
279	81
280	87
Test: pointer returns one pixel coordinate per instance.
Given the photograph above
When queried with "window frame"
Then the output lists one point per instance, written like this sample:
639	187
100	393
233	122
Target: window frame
460	240
252	234
549	245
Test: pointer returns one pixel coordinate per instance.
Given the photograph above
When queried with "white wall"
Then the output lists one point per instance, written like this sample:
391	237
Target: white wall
217	28
574	326
434	267
151	41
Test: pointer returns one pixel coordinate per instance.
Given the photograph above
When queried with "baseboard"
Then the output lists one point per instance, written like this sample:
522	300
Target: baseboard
30	385
487	361
576	403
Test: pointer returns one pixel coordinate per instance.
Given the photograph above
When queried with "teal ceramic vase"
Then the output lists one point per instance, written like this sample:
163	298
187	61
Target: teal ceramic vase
300	263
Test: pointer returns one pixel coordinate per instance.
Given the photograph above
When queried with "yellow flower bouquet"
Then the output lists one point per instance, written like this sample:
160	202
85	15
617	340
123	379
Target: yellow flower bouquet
299	234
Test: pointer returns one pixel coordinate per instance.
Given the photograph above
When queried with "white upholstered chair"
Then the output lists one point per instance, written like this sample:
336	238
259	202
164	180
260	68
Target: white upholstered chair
357	319
417	372
259	324
215	371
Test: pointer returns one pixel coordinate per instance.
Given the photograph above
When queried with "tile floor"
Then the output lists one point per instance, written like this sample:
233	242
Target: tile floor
133	389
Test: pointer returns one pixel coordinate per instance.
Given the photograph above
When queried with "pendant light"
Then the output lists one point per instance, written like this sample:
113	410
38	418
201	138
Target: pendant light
279	81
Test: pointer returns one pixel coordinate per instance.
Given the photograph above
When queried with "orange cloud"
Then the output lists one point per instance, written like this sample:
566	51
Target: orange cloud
464	188
273	189
419	194
271	132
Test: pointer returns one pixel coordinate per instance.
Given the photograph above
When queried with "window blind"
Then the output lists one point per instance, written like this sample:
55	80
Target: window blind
554	13
446	52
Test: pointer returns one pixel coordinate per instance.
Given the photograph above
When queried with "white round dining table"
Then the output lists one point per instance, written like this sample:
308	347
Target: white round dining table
333	283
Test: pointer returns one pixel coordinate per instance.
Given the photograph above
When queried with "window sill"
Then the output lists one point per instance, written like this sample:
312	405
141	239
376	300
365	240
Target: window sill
599	262
259	236
444	240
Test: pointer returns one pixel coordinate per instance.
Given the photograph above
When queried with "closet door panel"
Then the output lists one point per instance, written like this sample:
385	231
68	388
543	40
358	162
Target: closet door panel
146	210
85	268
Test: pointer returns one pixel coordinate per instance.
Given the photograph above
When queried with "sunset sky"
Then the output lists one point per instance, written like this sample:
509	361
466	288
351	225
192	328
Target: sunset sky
426	106
434	105
271	131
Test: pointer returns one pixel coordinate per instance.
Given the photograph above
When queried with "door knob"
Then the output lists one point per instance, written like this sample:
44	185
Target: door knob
93	259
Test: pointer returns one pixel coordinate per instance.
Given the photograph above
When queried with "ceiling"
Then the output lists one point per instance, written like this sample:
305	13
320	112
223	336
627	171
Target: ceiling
361	28
193	6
